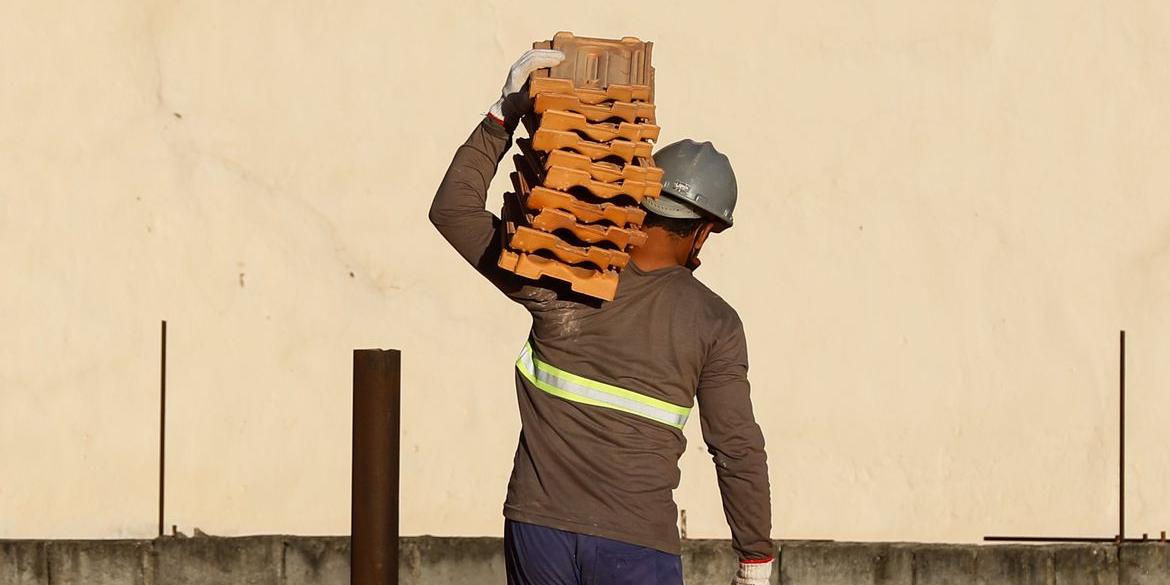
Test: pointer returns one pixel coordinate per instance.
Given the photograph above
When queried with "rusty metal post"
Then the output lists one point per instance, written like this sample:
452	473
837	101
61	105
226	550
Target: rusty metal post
374	491
1121	449
162	428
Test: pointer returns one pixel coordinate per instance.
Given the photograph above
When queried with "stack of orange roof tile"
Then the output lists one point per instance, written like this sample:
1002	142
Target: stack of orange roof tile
586	167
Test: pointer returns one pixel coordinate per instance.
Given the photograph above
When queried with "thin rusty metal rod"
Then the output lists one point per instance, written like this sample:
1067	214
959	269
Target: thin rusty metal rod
1055	539
1120	536
377	388
162	427
1121	448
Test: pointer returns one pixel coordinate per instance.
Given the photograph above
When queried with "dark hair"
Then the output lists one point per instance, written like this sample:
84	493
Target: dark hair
677	227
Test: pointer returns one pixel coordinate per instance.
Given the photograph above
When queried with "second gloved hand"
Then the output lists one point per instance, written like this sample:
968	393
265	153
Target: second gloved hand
514	102
753	573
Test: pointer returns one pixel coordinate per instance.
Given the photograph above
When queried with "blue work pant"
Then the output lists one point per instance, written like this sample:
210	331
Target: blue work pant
536	555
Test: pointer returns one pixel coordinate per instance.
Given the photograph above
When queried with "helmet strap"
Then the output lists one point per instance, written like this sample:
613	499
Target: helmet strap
693	261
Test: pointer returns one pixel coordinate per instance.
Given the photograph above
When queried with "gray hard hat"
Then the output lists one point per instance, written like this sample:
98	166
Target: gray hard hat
694	175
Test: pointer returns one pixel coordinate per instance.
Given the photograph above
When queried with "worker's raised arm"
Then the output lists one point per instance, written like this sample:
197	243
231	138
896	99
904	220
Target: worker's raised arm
458	208
737	447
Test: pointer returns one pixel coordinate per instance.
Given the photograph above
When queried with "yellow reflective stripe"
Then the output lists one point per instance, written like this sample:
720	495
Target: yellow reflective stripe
576	388
610	389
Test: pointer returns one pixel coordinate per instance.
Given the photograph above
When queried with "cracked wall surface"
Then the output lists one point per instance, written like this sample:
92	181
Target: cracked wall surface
947	210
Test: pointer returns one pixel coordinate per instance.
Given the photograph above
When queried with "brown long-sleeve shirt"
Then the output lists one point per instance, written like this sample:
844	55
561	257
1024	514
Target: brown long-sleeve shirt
596	470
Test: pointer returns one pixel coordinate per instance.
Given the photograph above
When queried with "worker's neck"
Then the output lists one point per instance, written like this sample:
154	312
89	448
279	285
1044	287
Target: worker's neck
648	262
661	250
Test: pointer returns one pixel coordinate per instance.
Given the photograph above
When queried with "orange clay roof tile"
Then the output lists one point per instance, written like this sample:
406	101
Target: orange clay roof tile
563	178
612	93
551	220
600	63
602	285
529	240
546	140
544	198
598	131
629	112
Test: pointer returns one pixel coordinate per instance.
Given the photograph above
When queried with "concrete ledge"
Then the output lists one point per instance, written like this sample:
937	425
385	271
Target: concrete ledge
827	563
324	560
1145	564
938	564
1094	564
313	560
255	560
100	562
710	561
1023	565
23	562
438	561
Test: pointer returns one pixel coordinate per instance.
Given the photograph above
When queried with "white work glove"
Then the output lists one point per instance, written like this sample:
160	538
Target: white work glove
513	101
752	574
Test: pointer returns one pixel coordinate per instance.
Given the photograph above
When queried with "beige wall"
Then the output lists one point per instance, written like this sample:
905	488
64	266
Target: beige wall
948	209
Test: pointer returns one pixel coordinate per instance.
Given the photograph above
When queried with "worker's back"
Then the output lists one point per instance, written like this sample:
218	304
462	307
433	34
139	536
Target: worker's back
588	467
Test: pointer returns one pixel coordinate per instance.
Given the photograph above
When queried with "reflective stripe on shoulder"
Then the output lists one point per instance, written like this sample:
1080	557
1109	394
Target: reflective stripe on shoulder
576	388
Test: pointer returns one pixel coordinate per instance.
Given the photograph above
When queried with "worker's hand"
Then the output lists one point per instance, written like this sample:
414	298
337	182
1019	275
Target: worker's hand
514	101
753	573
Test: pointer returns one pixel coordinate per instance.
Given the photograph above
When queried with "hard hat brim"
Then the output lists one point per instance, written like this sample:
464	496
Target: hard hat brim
667	206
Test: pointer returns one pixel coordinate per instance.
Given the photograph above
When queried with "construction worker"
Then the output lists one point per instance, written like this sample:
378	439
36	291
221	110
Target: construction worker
605	388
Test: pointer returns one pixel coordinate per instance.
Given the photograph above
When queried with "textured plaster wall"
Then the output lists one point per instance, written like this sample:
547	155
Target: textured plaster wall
948	209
